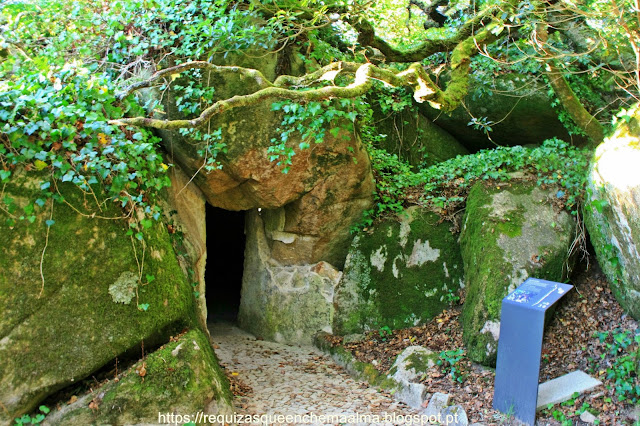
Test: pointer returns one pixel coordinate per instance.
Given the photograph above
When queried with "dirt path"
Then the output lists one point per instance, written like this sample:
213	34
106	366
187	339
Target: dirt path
290	380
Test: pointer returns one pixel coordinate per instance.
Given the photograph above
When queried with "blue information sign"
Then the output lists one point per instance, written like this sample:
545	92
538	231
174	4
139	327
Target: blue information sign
520	346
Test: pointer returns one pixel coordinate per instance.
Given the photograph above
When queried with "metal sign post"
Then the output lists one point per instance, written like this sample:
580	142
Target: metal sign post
520	346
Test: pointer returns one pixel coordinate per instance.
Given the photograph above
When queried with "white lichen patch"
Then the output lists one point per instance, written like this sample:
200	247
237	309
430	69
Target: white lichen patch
430	293
493	328
422	253
379	258
176	351
446	270
502	203
394	266
124	289
405	227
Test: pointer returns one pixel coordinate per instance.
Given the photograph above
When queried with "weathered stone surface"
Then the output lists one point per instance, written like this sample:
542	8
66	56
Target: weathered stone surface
564	388
509	234
520	106
185	213
455	415
417	139
612	211
412	364
287	304
437	404
399	274
182	377
324	192
56	333
412	394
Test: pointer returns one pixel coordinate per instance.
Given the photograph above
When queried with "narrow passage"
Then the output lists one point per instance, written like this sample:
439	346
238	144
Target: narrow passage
296	380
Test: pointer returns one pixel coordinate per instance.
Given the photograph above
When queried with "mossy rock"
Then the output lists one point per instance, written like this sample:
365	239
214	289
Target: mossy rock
413	363
400	274
518	107
612	211
416	139
182	377
509	234
85	313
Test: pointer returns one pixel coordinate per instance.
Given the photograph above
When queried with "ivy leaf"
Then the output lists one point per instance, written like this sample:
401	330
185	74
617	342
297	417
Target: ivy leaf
50	222
143	306
4	175
40	165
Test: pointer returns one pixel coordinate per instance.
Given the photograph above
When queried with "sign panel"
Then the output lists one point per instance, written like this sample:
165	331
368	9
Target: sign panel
520	346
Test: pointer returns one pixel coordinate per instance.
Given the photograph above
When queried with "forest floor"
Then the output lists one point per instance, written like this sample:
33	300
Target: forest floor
571	342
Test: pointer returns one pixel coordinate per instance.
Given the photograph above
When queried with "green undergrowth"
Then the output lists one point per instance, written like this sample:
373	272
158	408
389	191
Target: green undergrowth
63	67
443	187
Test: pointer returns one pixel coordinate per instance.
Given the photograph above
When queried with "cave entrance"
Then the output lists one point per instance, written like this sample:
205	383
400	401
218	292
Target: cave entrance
225	263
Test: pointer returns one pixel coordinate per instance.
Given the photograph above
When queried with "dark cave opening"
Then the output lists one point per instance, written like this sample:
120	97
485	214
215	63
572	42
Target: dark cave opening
225	263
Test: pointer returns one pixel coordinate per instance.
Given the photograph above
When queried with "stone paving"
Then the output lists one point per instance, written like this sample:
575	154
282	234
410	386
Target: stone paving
290	380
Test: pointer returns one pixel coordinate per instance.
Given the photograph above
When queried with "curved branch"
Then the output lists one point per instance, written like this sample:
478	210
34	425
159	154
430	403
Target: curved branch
367	37
415	76
567	97
255	74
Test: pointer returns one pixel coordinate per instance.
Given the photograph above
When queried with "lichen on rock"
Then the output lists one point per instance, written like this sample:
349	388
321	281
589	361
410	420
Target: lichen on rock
399	274
509	234
181	377
57	332
124	289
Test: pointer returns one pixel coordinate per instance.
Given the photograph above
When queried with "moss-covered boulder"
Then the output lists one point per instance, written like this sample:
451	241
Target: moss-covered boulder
401	273
612	210
69	296
509	233
181	378
516	107
417	139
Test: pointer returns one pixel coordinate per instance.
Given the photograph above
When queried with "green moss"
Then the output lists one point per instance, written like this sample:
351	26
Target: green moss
75	327
416	139
398	275
421	362
361	370
503	242
182	376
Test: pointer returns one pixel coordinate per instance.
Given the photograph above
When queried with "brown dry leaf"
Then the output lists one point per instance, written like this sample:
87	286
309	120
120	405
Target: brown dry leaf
141	370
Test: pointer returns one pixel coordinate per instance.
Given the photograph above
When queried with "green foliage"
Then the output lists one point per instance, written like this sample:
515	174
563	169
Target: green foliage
444	186
124	32
36	419
385	333
58	92
309	122
622	354
56	123
451	365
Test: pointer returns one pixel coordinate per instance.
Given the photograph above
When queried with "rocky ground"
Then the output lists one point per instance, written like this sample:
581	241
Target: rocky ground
275	379
571	343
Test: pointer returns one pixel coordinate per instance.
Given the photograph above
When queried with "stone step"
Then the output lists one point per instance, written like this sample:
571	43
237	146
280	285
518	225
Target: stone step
562	388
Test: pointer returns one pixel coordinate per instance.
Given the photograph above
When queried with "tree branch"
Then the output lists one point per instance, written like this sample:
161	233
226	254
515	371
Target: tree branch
367	37
567	97
364	75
